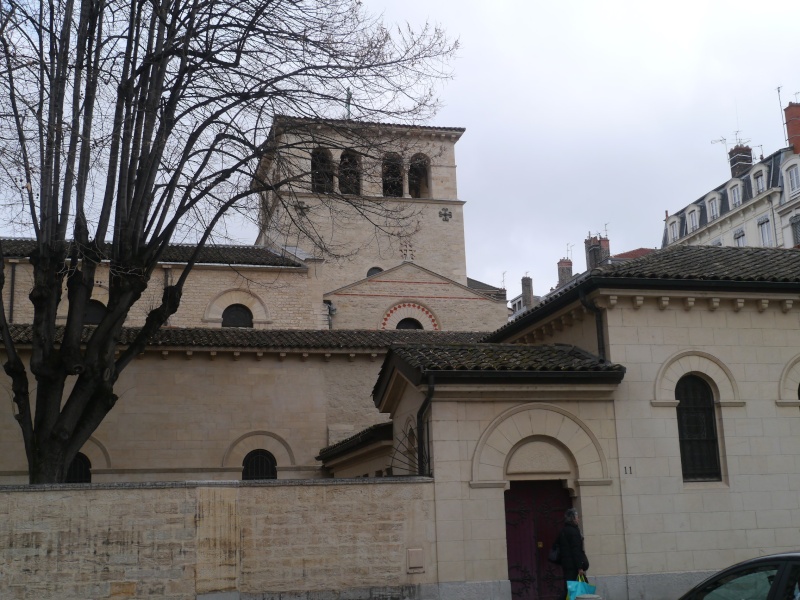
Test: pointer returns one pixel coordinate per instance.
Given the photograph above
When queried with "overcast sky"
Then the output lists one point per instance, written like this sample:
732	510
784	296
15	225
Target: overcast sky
592	115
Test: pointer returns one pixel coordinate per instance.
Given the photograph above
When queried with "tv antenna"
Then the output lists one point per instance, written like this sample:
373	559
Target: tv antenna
569	251
724	142
783	124
504	280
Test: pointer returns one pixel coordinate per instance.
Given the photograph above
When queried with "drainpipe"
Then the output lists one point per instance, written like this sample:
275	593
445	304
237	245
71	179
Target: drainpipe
421	425
11	292
598	322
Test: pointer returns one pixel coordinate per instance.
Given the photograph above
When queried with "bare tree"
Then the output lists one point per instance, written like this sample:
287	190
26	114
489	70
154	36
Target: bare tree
126	124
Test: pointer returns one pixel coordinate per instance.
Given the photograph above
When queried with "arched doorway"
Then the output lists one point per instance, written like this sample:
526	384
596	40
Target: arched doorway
534	517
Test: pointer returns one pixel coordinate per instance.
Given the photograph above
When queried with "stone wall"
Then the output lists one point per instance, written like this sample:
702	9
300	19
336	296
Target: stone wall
226	540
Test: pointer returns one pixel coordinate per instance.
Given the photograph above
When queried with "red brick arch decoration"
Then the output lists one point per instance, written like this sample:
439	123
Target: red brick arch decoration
405	310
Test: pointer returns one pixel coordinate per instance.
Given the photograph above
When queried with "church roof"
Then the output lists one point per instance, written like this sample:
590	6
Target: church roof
679	267
353	123
180	253
235	337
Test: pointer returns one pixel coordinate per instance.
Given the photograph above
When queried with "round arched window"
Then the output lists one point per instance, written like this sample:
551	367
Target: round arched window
80	470
237	315
374	271
409	323
94	312
259	464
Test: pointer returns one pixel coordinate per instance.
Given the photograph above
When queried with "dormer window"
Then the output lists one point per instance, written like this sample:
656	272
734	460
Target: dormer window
713	210
736	196
673	231
693	220
759	180
793	174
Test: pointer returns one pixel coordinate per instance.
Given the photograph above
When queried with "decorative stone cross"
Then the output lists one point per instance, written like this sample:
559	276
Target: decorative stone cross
445	214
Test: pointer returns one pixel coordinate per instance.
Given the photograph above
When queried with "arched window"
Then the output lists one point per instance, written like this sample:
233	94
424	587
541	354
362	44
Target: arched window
418	182
259	464
349	173
409	323
94	312
237	315
697	430
392	176
80	470
374	271
321	172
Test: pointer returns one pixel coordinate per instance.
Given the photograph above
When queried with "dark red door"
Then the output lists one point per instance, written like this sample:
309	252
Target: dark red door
534	517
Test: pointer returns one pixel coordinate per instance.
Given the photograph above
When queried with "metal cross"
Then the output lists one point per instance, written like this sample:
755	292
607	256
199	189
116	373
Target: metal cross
445	214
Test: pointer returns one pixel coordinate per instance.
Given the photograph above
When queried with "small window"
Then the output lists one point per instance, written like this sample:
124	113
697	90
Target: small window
765	231
693	220
80	470
673	231
321	172
759	178
418	182
697	430
392	176
374	271
259	464
409	323
739	238
794	179
713	211
794	222
736	196
716	242
349	173
94	312
237	315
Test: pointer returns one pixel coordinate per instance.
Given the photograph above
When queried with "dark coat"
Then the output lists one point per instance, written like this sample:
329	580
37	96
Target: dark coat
573	558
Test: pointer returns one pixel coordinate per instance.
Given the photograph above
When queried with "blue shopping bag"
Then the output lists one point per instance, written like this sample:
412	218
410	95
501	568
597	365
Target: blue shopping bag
581	586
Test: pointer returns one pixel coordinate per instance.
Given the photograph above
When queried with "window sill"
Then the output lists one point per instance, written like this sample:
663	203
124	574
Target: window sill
705	485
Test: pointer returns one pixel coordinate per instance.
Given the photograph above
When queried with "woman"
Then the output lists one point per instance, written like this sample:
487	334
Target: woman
570	542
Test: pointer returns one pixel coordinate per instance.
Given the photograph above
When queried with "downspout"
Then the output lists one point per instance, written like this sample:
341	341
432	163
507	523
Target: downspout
421	425
598	322
11	292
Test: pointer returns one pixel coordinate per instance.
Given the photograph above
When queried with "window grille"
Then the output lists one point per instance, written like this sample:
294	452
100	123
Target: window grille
237	315
259	464
697	430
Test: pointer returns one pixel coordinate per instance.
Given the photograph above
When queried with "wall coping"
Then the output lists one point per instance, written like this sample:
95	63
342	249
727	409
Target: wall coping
151	485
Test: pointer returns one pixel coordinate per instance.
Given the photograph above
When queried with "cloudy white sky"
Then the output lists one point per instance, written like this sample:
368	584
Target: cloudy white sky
599	115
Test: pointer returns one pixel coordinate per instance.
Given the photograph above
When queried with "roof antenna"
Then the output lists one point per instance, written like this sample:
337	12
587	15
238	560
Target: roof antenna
347	102
724	142
605	228
504	280
783	123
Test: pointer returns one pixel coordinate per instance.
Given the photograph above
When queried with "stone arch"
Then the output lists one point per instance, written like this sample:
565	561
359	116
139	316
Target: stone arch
571	450
789	384
97	454
706	365
254	440
410	310
213	313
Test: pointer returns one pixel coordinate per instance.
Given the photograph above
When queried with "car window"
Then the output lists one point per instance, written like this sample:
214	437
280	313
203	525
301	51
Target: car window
791	590
752	583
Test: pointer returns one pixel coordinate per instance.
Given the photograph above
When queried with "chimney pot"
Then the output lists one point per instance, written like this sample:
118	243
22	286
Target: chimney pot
741	159
792	113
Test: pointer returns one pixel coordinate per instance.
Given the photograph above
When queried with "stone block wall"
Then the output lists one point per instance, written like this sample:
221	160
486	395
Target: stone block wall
179	541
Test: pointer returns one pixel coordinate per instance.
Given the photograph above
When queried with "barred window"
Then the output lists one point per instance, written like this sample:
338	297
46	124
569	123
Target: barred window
259	464
697	430
237	315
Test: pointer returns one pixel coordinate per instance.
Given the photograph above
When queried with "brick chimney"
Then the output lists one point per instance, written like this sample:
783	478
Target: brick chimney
792	113
564	271
598	250
527	292
741	158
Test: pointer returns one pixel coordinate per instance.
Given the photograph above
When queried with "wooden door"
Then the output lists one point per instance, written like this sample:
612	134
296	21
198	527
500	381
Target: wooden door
534	517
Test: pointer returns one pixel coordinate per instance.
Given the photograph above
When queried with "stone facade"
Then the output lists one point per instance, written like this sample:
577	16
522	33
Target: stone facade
323	540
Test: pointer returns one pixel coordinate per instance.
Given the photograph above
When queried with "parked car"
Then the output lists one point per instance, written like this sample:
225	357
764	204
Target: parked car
773	577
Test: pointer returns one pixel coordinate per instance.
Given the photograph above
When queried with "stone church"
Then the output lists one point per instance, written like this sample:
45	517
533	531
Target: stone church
340	412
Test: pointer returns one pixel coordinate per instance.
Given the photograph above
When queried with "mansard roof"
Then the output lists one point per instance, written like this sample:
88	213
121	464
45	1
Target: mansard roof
676	268
235	337
245	255
772	163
